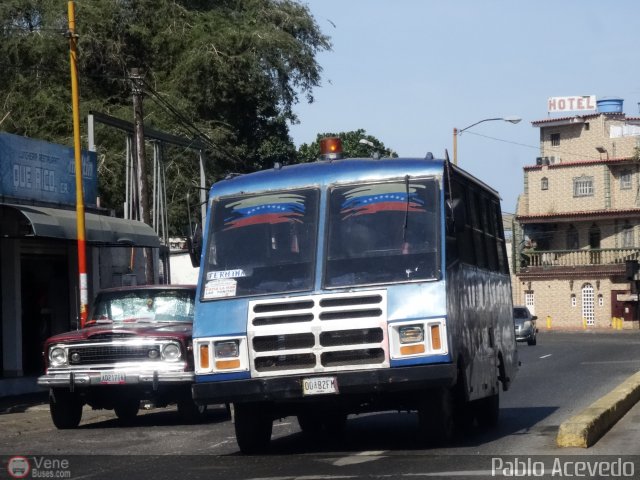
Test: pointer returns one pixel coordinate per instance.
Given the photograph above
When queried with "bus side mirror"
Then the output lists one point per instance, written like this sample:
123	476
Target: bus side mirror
456	218
194	246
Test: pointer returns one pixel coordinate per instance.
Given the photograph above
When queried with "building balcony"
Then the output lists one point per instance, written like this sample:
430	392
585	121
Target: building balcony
603	261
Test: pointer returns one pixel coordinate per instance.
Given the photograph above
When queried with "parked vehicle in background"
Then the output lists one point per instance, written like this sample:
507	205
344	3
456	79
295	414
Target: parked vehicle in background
136	345
525	325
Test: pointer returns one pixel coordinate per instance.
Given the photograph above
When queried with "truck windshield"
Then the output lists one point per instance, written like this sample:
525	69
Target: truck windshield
262	243
153	305
383	232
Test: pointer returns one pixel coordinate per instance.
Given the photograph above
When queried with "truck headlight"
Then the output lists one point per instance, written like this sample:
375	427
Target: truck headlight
171	352
57	356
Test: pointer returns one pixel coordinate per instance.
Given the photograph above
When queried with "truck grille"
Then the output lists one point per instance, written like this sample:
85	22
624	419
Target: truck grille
100	354
318	333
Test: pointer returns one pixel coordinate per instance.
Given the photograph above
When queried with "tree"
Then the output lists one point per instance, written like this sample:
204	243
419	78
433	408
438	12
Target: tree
352	147
226	71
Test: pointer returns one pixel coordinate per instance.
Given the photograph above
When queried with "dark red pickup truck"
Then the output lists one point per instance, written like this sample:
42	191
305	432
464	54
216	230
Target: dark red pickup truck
136	345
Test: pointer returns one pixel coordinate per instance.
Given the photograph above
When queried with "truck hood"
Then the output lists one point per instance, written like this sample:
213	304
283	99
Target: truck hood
106	331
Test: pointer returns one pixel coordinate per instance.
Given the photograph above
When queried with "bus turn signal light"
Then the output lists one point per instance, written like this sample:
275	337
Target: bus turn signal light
204	356
227	364
436	343
412	349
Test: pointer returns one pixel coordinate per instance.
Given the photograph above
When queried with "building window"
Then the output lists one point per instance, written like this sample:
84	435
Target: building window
588	312
627	236
572	238
555	139
573	300
586	126
600	300
583	186
625	180
544	183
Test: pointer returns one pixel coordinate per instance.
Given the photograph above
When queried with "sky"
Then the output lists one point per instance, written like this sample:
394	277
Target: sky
410	71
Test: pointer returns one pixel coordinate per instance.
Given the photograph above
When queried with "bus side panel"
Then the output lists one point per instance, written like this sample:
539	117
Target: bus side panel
479	306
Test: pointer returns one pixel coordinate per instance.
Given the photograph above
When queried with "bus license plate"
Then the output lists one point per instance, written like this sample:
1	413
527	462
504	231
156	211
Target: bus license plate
113	377
319	385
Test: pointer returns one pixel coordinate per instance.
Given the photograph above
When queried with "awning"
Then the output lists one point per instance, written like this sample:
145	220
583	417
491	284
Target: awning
29	221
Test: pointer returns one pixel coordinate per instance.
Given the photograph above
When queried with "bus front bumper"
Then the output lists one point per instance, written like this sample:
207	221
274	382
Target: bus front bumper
289	388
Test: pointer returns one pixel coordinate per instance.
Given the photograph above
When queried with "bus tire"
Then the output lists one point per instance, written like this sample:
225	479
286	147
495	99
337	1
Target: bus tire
487	410
436	416
65	408
253	425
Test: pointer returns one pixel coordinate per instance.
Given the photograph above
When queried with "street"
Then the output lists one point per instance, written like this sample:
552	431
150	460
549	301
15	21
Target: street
560	376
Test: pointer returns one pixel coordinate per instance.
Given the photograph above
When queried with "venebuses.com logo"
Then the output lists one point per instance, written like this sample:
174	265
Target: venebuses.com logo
19	466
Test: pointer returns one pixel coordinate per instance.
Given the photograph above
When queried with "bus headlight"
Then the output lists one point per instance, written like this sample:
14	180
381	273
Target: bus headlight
57	357
226	353
411	333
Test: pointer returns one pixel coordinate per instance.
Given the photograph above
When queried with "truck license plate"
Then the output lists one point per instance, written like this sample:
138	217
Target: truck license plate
113	377
319	385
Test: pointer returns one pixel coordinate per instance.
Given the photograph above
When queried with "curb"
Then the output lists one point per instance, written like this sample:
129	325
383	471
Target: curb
586	428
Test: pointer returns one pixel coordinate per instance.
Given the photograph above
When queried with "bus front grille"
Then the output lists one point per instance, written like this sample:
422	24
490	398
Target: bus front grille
318	333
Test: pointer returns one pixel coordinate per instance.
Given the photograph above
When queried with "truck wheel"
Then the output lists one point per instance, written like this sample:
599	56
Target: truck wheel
436	416
487	410
65	408
253	425
127	409
191	412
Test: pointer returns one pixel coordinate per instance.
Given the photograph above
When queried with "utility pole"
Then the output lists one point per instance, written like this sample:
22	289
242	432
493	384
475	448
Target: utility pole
80	216
138	125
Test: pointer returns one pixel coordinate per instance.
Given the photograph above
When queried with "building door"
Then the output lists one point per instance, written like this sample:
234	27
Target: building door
588	312
45	305
529	302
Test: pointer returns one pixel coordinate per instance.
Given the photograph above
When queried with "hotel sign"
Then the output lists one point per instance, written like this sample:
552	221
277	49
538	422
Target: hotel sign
45	172
571	104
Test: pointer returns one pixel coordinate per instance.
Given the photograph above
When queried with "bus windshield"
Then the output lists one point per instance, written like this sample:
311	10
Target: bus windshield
262	243
383	232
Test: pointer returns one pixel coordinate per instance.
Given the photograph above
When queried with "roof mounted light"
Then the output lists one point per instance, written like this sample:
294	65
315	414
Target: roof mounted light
330	148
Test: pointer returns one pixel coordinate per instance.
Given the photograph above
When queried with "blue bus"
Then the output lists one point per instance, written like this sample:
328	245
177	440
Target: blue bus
346	286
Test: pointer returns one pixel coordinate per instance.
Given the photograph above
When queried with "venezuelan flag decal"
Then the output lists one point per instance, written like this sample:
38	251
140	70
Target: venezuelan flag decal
382	197
265	209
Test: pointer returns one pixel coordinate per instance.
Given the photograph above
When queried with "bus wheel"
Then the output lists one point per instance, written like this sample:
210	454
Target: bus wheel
253	427
435	416
487	410
65	408
127	410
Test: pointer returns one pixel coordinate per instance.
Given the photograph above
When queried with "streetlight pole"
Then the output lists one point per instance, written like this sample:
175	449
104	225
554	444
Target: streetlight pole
457	132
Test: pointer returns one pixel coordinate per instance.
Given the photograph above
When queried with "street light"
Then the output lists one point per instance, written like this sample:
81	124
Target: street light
376	149
457	132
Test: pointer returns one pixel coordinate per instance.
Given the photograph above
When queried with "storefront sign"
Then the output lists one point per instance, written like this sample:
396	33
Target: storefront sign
41	171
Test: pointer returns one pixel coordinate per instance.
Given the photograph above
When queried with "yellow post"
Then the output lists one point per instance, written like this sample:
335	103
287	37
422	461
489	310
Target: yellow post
620	323
82	260
584	323
548	322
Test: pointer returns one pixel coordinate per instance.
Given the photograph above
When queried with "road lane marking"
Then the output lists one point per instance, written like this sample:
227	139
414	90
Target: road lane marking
361	457
547	355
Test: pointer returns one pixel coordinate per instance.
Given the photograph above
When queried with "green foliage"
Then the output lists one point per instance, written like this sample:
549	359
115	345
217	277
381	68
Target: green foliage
233	69
352	146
